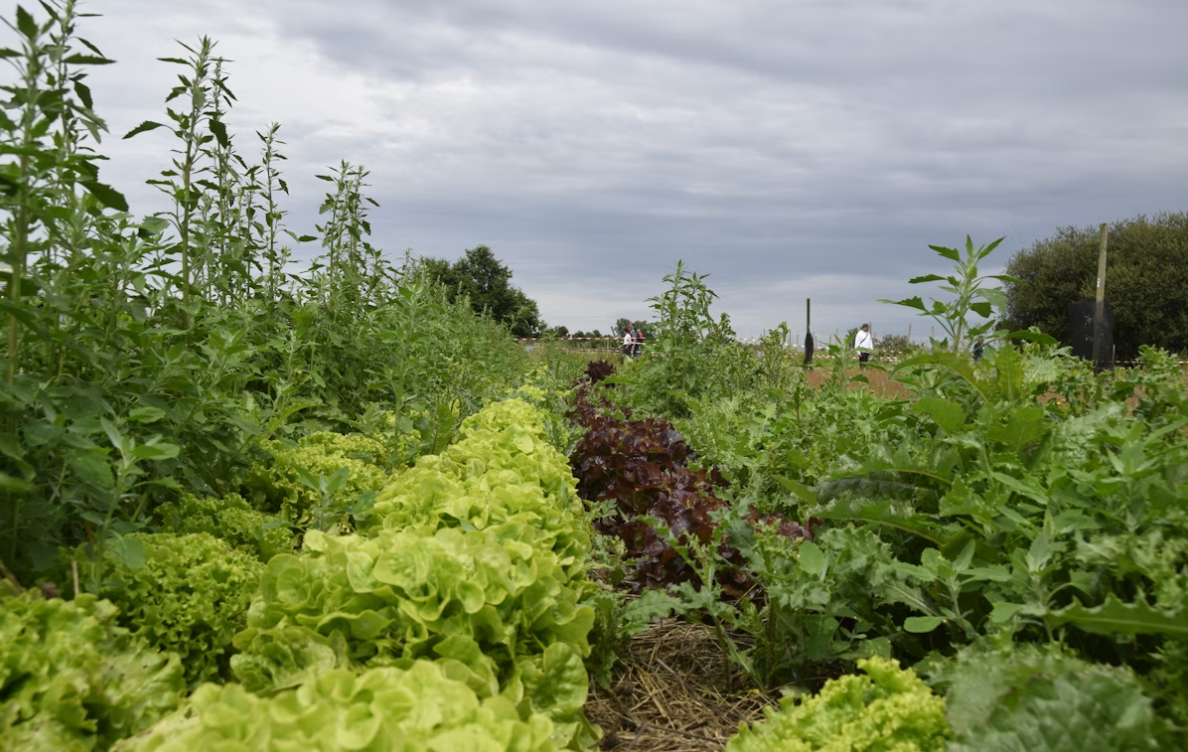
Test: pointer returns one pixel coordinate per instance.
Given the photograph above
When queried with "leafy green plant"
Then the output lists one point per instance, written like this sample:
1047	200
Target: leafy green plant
71	679
149	357
187	594
420	707
972	295
889	710
1024	697
313	482
230	518
477	561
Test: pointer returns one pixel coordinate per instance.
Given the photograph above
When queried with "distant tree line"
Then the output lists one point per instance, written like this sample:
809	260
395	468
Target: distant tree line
486	282
1146	282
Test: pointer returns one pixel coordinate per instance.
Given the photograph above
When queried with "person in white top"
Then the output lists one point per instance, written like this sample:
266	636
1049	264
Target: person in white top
628	341
863	341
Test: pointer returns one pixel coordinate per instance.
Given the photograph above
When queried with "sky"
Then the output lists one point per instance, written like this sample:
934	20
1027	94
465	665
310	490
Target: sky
788	150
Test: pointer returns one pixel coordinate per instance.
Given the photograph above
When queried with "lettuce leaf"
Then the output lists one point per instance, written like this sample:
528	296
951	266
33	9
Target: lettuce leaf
71	679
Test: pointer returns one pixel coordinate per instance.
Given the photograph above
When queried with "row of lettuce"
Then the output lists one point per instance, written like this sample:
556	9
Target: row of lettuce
451	617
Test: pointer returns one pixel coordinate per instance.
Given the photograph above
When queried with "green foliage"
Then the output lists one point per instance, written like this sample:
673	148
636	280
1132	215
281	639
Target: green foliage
187	594
972	295
1016	697
480	280
1146	281
888	710
71	680
696	355
1041	699
1022	497
147	356
500	471
230	518
291	481
420	708
476	560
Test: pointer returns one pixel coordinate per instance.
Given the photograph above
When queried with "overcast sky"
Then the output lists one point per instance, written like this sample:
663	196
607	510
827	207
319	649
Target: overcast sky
788	149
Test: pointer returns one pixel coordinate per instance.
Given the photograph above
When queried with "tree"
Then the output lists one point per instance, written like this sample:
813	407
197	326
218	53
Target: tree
486	282
1146	282
621	326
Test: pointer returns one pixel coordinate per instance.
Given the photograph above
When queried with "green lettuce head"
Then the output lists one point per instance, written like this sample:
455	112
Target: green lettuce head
418	709
888	710
71	680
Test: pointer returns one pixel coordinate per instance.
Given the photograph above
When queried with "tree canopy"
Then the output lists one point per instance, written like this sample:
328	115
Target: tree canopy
1146	281
486	282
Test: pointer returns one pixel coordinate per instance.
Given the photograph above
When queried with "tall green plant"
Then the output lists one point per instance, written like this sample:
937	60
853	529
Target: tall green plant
972	295
47	163
195	126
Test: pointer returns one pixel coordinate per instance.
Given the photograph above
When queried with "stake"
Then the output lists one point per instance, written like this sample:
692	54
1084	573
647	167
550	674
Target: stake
1099	308
808	330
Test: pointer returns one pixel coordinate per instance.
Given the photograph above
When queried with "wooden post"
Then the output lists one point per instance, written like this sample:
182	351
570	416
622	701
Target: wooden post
1099	307
909	338
808	330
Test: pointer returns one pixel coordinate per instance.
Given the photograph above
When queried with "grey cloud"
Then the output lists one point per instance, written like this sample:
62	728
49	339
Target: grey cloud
786	148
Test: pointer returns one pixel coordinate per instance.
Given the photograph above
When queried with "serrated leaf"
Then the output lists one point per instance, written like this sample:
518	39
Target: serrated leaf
14	485
25	23
1116	617
950	253
88	60
1024	426
161	450
153	226
147	125
1040	337
909	302
219	129
983	309
926	278
108	196
84	94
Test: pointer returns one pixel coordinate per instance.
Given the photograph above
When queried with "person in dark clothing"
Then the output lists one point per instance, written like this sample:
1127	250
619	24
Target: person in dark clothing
639	338
978	348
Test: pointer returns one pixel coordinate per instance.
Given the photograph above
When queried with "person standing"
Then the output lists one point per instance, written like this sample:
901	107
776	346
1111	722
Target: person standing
864	343
628	342
638	341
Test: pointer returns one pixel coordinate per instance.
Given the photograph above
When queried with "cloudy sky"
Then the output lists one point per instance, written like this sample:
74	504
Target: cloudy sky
804	148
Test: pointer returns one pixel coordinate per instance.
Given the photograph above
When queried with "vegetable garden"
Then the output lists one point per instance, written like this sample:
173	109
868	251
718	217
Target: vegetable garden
246	508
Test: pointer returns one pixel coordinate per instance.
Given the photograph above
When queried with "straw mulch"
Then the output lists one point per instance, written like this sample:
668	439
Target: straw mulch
674	691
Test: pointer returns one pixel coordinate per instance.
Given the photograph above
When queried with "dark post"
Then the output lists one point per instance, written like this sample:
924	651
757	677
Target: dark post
808	330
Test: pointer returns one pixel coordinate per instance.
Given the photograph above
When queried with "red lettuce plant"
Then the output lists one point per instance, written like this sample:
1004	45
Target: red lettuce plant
640	466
